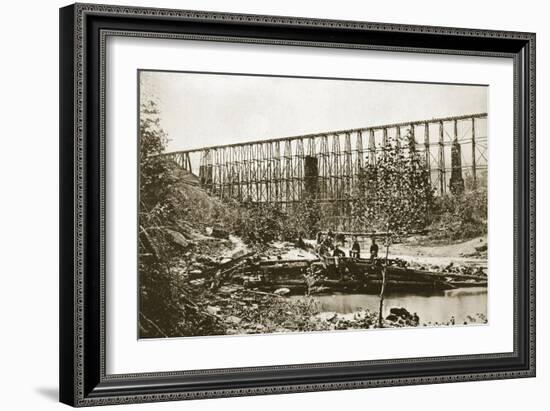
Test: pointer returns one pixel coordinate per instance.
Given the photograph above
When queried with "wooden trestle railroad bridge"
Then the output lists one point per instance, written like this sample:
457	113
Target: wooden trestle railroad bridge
327	164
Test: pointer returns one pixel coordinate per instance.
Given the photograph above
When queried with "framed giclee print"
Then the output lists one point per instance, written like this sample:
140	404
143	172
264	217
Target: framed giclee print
258	204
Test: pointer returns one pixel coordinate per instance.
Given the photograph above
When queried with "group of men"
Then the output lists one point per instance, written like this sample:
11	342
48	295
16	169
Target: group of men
328	247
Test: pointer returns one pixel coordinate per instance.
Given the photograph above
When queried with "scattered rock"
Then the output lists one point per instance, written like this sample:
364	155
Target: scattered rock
228	289
481	248
213	310
327	316
392	317
318	289
178	238
217	232
449	268
400	312
233	320
205	259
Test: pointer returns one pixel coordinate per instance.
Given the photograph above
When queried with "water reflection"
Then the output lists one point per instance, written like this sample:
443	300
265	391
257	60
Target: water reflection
430	307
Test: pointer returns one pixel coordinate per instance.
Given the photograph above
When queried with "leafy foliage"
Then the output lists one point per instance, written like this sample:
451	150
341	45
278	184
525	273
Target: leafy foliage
462	216
165	309
394	192
304	217
157	177
259	223
262	223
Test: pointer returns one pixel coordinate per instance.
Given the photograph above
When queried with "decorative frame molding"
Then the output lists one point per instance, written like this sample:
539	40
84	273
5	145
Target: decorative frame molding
83	32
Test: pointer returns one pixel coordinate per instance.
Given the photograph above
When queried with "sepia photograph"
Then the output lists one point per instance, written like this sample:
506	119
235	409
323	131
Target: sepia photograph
266	204
278	204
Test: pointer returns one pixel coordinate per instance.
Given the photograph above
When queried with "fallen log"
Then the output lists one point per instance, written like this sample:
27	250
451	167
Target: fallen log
228	264
363	273
297	262
355	285
431	274
464	284
221	275
225	269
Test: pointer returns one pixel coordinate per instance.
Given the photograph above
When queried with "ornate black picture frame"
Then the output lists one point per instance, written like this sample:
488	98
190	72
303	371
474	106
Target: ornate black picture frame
83	31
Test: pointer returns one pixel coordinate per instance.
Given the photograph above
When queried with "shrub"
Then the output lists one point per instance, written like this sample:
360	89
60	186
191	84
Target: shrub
460	216
259	223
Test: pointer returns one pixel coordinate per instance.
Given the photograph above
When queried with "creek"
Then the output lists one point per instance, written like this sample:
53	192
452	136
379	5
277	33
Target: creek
432	307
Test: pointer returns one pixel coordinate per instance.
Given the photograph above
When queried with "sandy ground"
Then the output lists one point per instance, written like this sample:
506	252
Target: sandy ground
459	249
287	251
459	253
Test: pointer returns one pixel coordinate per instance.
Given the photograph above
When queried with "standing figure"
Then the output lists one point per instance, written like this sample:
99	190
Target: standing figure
329	240
319	238
355	251
300	243
373	250
339	254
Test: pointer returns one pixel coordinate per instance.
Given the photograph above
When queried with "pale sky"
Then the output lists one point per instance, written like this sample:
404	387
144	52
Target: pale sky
199	110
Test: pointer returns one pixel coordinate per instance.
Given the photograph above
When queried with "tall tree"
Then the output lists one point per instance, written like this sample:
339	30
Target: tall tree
395	194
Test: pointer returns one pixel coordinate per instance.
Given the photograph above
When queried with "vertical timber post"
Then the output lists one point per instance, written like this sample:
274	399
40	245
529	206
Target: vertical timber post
456	183
427	150
311	172
324	169
385	141
269	171
331	171
372	148
246	163
244	172
358	166
348	171
277	171
398	137
188	162
230	172
474	173
412	139
337	174
360	152
299	168
239	171
441	160
288	171
222	172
